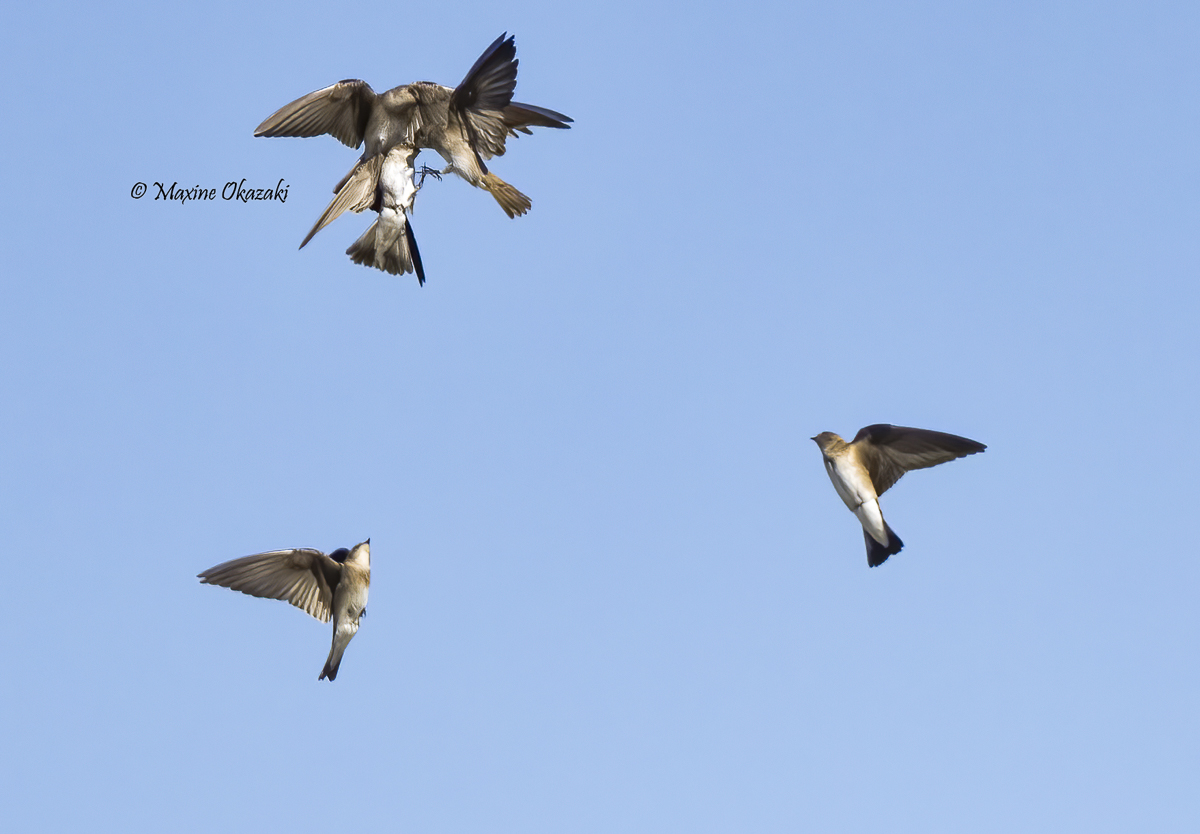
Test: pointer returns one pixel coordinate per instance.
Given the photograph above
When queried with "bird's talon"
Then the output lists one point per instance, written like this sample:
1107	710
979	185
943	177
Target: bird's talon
426	171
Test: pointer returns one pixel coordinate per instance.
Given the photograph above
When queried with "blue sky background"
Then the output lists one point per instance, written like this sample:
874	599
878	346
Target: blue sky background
613	589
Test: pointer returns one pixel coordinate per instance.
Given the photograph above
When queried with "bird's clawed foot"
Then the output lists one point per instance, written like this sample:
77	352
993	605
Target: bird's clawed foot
426	171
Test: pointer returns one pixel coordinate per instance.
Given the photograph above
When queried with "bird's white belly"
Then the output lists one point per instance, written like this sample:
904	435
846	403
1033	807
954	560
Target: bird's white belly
851	484
856	490
396	180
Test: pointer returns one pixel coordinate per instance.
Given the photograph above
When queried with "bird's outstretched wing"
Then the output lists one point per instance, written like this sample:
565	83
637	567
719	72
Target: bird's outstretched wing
490	82
521	117
341	111
302	576
889	451
356	194
479	100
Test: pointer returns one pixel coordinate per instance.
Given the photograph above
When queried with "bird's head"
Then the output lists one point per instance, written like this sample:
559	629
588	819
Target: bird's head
361	553
828	442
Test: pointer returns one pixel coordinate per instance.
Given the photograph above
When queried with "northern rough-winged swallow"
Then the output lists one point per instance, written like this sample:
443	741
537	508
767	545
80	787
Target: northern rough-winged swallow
466	125
325	586
879	455
384	184
388	243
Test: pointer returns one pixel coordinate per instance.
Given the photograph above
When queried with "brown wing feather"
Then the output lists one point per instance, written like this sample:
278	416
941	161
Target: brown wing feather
490	82
303	576
518	116
357	194
889	451
483	94
341	111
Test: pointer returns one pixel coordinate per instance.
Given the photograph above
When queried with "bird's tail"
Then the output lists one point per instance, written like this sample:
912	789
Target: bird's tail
512	201
877	553
332	664
335	657
399	259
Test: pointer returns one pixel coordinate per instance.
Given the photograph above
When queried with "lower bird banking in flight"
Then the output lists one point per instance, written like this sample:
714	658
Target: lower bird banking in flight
867	466
332	586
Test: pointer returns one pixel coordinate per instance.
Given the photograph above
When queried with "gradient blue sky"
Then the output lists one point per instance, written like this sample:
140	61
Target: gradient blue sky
613	589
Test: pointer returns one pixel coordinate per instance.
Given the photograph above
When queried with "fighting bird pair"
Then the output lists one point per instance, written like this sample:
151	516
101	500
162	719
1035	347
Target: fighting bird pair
465	125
